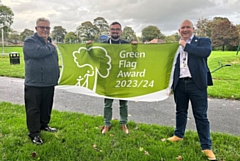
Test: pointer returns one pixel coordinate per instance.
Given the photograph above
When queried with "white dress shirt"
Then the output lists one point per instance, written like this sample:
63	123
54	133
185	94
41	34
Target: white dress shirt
184	70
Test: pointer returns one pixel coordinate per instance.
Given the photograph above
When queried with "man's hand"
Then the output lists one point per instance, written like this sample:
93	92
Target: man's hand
88	42
182	42
134	42
54	44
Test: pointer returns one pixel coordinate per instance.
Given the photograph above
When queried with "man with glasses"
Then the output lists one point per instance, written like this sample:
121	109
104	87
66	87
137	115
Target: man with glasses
115	33
41	77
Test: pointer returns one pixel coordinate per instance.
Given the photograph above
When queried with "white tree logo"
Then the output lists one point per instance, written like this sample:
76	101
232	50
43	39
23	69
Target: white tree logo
100	54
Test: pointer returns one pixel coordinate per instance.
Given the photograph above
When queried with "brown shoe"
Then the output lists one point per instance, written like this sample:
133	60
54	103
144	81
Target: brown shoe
174	138
209	153
125	129
105	129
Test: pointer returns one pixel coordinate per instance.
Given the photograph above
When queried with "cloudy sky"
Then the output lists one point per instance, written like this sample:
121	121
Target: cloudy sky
165	14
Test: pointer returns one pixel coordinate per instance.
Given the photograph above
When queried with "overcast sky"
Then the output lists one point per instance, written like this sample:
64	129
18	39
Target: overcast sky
165	14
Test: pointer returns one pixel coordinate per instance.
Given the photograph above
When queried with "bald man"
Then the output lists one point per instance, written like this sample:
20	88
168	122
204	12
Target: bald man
190	82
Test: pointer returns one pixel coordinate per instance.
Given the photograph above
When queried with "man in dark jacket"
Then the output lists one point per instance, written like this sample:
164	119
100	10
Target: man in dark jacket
41	77
115	33
190	82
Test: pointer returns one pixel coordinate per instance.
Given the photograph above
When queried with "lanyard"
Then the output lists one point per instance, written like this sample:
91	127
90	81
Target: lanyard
110	41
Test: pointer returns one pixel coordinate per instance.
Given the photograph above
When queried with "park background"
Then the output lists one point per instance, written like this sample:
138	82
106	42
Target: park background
80	137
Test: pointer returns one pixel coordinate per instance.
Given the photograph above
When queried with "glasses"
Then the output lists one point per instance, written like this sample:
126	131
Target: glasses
44	27
113	29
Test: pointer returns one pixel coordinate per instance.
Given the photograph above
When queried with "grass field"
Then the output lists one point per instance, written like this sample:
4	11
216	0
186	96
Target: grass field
227	79
11	70
79	139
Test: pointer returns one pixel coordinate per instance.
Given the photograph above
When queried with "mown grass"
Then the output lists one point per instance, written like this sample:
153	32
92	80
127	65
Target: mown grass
79	139
11	70
226	80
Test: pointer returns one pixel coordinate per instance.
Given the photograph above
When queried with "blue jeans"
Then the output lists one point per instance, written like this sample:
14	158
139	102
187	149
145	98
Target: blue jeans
186	90
108	111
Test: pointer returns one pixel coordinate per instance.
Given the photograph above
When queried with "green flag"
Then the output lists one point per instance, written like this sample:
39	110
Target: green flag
120	71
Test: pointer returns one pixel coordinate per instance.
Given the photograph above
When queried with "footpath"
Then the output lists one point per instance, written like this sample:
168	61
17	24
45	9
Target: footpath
224	115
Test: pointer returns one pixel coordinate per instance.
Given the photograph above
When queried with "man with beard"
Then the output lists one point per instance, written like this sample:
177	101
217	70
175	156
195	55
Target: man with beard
115	33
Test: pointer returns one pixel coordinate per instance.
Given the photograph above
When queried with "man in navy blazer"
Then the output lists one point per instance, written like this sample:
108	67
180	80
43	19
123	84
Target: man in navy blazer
190	82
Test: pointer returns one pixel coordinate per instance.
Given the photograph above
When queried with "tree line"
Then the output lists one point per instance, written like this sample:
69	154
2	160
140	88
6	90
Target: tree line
220	30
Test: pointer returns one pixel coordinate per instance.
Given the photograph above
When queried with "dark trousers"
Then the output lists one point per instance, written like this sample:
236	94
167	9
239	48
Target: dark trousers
186	90
108	111
38	105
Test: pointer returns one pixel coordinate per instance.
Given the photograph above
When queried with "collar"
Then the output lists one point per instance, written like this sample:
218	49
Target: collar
190	39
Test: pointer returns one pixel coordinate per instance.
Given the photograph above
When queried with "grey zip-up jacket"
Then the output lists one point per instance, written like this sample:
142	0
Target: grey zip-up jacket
41	62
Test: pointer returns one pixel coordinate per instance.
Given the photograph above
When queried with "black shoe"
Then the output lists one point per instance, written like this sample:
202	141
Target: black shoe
37	140
49	129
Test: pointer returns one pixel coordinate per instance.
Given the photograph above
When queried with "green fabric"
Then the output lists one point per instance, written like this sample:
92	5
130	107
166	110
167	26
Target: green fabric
117	71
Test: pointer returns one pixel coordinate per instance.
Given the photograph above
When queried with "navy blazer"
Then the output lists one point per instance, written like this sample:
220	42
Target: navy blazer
198	51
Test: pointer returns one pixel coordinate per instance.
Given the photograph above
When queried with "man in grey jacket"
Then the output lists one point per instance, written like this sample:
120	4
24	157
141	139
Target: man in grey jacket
41	77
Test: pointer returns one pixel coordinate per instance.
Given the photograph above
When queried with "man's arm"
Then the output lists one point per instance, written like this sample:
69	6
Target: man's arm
202	49
35	50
